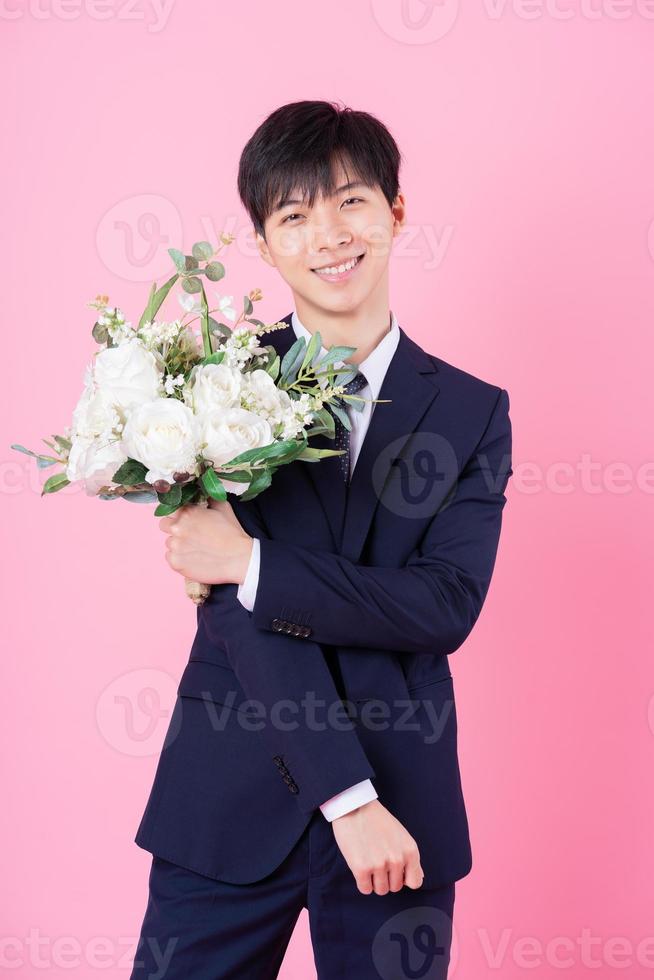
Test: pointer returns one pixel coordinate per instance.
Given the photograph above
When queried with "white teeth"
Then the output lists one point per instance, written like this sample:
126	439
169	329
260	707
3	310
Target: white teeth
337	270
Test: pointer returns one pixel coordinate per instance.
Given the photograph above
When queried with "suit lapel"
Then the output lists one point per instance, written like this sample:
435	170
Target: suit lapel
410	385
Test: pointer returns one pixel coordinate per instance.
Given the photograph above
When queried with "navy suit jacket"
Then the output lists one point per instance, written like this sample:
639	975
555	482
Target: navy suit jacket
363	594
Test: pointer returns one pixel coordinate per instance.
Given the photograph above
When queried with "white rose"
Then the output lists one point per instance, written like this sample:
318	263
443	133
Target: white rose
94	414
224	435
264	396
163	435
213	386
128	374
94	461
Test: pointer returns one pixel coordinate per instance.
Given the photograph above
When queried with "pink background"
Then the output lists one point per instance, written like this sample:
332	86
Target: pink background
527	260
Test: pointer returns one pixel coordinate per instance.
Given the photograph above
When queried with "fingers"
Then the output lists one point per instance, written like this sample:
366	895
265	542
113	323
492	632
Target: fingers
413	873
393	875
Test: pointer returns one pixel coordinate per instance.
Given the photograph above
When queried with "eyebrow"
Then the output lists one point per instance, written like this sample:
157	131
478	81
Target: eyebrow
345	187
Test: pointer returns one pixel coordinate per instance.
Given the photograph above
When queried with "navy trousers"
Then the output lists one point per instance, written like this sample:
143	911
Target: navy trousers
198	928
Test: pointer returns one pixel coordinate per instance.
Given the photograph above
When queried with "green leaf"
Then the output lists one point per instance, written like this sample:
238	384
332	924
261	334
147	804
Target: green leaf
342	415
312	455
21	449
213	485
261	482
272	367
335	354
202	251
238	476
222	328
247	305
134	496
214	271
190	263
178	258
191	284
100	333
172	497
256	323
156	299
214	358
314	347
54	483
262	453
292	360
163	510
190	491
130	473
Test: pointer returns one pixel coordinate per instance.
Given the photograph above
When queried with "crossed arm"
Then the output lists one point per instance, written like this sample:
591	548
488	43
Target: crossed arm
428	606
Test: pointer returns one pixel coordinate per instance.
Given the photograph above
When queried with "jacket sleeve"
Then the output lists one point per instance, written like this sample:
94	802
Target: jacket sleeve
305	729
427	606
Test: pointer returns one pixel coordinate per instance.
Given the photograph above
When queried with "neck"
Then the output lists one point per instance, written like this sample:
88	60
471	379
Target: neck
363	328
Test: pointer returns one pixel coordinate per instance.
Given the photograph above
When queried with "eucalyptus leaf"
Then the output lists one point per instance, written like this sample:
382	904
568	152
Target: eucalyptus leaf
216	327
272	367
138	497
190	263
342	415
214	271
178	258
314	347
191	285
22	449
247	305
202	251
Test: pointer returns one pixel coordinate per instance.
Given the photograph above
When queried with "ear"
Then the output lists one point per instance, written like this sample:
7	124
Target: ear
263	249
399	213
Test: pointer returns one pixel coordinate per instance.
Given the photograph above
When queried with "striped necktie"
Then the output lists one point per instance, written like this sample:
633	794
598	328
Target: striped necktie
342	435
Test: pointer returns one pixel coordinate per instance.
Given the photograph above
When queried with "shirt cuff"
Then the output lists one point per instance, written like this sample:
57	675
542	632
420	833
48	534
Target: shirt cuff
247	590
348	799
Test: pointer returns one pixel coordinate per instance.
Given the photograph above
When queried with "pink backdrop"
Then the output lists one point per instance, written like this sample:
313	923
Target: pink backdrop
527	260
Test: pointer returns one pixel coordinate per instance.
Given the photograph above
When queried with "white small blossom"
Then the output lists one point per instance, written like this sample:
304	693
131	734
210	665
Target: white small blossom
189	302
225	306
171	383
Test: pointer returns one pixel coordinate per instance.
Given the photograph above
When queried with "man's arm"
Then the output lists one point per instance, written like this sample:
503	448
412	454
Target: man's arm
317	743
428	606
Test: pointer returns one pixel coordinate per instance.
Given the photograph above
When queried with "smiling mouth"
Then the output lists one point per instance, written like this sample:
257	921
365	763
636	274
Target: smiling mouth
335	273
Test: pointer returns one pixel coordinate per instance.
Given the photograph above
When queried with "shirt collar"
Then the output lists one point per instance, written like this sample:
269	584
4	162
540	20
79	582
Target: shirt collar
376	364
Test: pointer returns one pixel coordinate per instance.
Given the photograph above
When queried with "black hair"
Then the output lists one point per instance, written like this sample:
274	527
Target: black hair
296	146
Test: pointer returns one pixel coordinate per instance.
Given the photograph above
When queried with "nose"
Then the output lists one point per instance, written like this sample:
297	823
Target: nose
328	237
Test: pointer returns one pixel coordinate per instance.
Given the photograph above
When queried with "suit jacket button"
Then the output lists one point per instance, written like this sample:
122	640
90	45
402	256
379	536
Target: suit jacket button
286	627
277	759
293	788
296	630
306	631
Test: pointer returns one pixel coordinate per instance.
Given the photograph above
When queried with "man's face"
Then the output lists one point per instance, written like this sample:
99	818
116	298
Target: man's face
355	224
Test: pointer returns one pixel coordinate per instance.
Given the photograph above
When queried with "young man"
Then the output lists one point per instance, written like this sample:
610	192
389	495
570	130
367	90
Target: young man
345	585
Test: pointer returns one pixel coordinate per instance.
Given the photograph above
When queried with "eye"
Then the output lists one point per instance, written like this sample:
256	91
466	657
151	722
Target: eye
360	199
288	217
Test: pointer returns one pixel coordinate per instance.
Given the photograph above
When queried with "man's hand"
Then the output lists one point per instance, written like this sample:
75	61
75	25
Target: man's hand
207	544
379	851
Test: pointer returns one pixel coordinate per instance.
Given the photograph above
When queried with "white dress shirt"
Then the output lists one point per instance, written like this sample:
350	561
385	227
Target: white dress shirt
374	367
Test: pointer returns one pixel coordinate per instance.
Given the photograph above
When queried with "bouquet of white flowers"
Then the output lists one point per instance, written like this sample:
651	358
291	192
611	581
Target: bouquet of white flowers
173	417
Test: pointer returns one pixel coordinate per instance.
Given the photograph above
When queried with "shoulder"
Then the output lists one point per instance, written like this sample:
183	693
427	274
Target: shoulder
477	392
